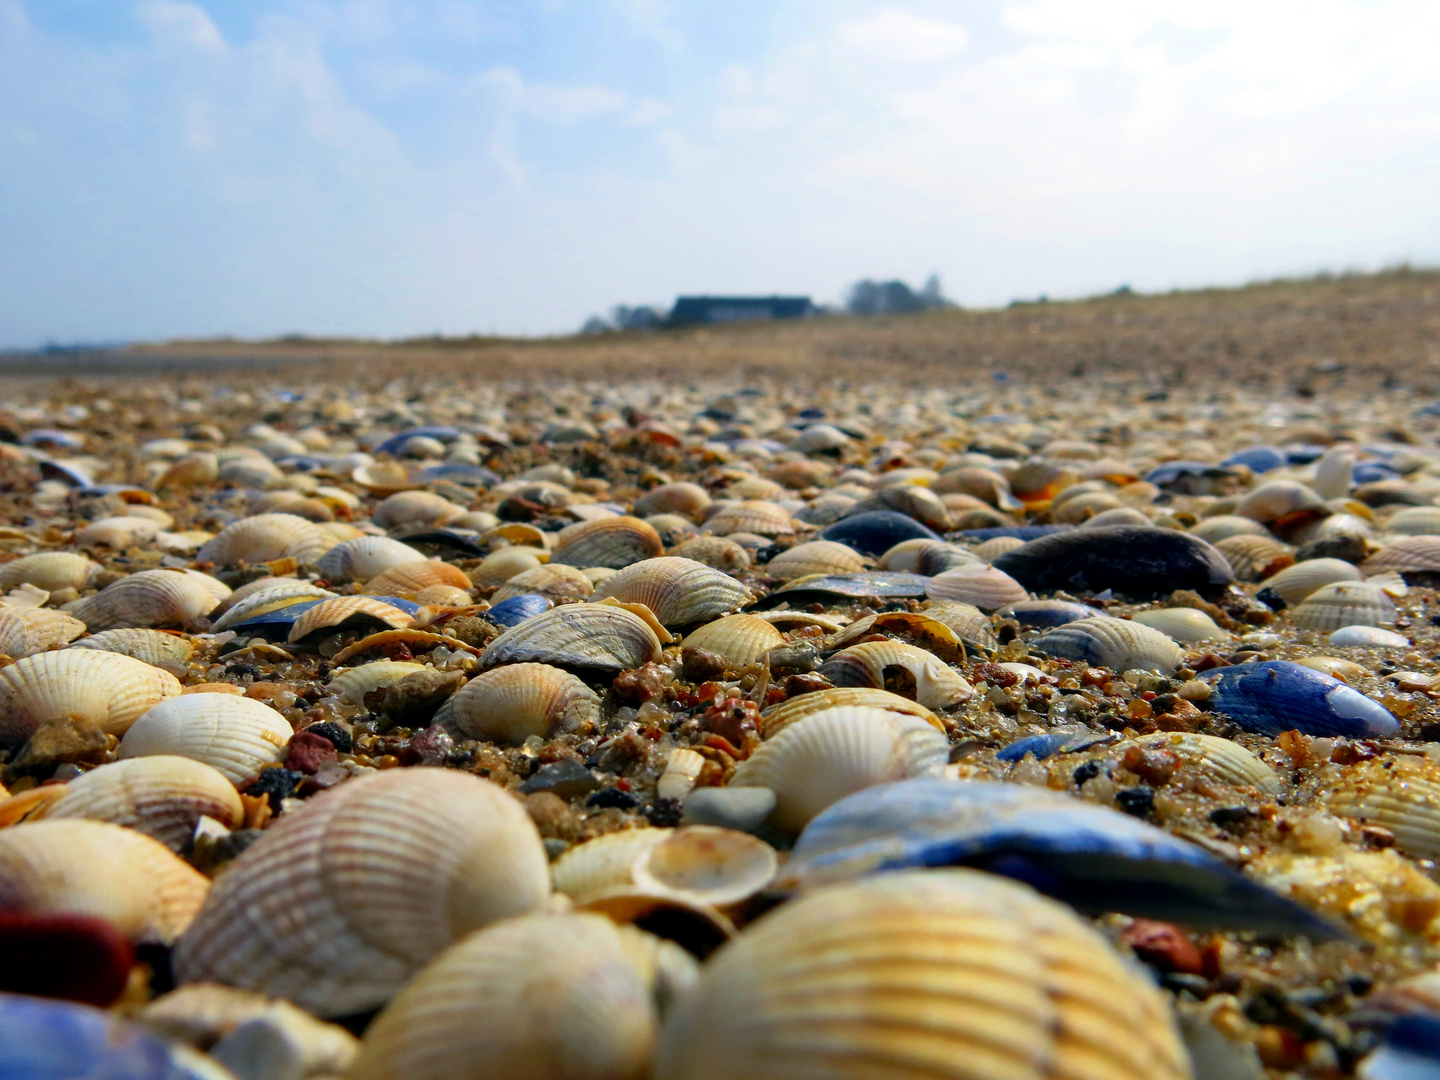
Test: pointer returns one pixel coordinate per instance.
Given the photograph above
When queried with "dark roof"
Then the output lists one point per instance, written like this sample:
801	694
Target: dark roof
713	309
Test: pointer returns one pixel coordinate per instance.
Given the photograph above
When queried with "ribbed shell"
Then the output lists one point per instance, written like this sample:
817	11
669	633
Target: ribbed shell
554	581
751	516
682	497
679	591
714	551
615	542
937	685
509	704
824	756
992	549
415	577
944	974
740	639
815	557
1407	555
333	613
777	717
707	865
1254	558
500	566
280	595
1223	527
354	684
414	508
1411	521
77	867
604	863
265	538
163	797
576	635
117	532
1225	760
26	631
100	688
1397	792
980	585
932	635
151	646
340	902
1118	644
971	625
1346	603
1182	624
364	558
554	996
150	598
49	570
237	736
905	556
1084	506
1297	582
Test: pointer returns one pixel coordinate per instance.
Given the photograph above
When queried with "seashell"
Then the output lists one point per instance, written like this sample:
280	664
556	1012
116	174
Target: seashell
94	868
1083	506
904	557
163	797
1223	759
151	646
414	508
1282	505
1392	583
26	631
929	633
236	736
982	586
1182	624
615	542
191	470
679	591
1036	483
984	484
1121	515
821	757
365	557
576	636
554	582
739	639
682	771
1332	527
1254	558
689	500
1043	614
944	974
605	863
1345	603
1412	521
442	596
519	534
1368	637
1277	695
1334	473
777	717
264	538
411	578
559	996
375	878
150	598
1335	667
1134	560
1407	555
715	551
117	532
517	609
1118	644
49	570
875	532
83	686
1296	583
279	593
971	625
914	502
354	611
1226	527
1399	792
934	684
672	527
814	557
706	865
510	704
354	683
990	550
1094	857
829	588
500	566
749	516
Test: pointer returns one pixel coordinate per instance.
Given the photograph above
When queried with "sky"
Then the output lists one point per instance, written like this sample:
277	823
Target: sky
398	167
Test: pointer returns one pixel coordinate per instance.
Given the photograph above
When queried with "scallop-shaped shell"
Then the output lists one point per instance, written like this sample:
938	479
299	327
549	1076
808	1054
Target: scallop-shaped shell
1295	583
992	549
364	558
1182	624
163	797
931	634
555	581
282	594
414	508
355	683
1411	521
26	631
1368	637
338	611
1223	759
236	736
558	996
971	625
707	865
740	639
679	591
981	585
684	498
750	516
946	974
936	684
265	538
1118	644
49	570
1226	527
1345	603
415	577
1254	558
151	646
1281	503
815	557
1334	473
1407	555
77	867
778	717
117	532
500	566
100	688
717	551
340	902
1397	792
607	862
510	704
150	598
822	757
615	542
1121	515
576	635
1084	506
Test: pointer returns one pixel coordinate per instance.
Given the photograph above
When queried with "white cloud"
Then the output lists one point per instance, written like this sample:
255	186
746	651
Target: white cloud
896	37
553	103
176	23
648	111
652	19
394	78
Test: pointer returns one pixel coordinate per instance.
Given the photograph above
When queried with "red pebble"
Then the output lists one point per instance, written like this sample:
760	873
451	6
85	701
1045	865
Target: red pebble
308	751
1163	946
75	957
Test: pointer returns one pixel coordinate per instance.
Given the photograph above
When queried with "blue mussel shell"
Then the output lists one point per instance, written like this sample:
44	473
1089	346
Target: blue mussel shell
1277	695
876	531
42	1039
517	609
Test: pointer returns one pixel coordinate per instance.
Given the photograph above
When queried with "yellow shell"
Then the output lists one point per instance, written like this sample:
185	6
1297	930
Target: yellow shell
1084	506
714	551
339	903
1254	558
1398	792
500	566
49	570
151	646
414	508
237	736
1182	624
993	548
364	558
777	717
971	625
279	594
679	591
576	635
555	581
750	516
1334	666
905	556
414	577
100	688
945	974
684	498
815	557
937	638
615	542
355	683
79	867
1225	760
26	631
117	532
509	704
151	598
740	639
265	538
332	614
980	585
935	684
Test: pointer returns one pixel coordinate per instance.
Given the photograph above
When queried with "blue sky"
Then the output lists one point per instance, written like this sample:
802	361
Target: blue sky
394	167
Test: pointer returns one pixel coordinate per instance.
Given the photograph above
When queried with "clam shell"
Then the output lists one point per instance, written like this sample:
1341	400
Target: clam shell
500	566
914	502
1334	473
823	756
1368	637
236	736
151	646
354	683
150	598
931	634
342	610
971	625
992	549
1084	506
684	498
1295	583
1398	792
1223	759
682	771
1345	603
559	996
1277	695
815	557
1182	624
750	516
94	868
1131	559
949	973
1411	521
1335	667
576	635
707	865
414	508
615	542
265	538
1407	555
117	532
1044	614
1281	502
163	797
26	631
364	558
980	585
740	639
554	582
281	594
510	704
1118	644
607	862
340	902
715	551
679	591
935	684
904	557
100	688
413	578
1121	515
1254	558
49	570
778	717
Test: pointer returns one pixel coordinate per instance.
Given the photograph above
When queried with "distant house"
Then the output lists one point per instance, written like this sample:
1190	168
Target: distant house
693	310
